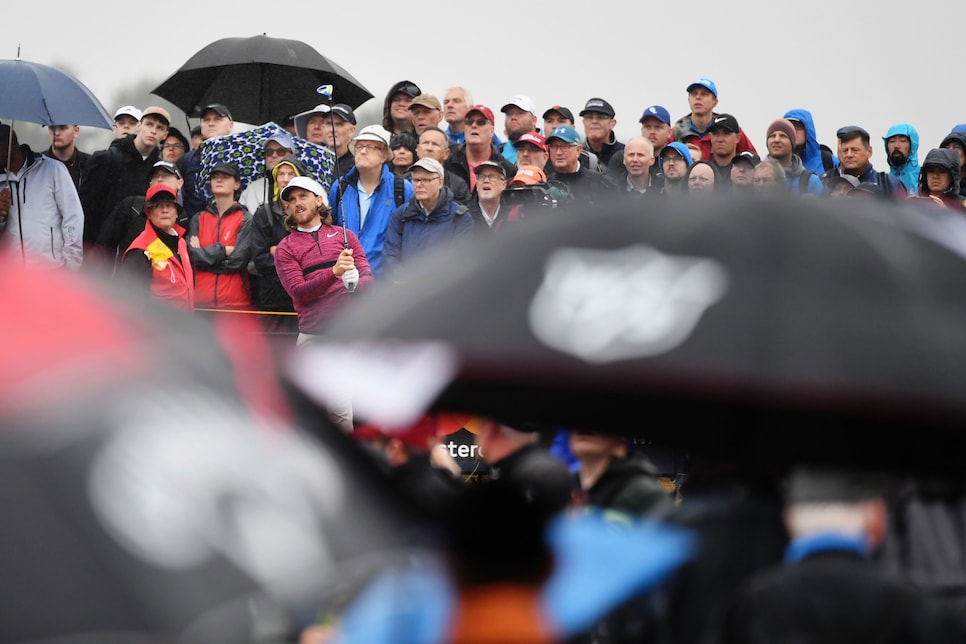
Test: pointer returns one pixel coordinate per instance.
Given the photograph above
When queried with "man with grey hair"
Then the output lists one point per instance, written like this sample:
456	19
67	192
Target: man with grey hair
431	218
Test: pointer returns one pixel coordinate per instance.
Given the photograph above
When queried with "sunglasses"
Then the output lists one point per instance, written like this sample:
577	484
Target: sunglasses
478	121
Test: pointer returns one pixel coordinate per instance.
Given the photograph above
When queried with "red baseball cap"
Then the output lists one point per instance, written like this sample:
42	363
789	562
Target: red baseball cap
532	137
484	110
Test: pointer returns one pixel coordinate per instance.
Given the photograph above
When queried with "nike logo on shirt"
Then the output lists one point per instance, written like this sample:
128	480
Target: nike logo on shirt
331	234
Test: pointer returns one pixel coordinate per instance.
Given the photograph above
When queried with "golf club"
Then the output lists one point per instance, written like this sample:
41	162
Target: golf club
326	91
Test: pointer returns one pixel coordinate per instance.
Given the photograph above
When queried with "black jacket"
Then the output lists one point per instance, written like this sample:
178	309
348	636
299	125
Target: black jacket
114	173
457	164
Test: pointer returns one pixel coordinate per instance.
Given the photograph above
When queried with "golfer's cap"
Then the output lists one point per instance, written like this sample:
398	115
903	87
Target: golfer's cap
373	133
429	165
484	110
490	164
850	131
128	110
159	193
598	105
566	134
155	110
534	138
231	169
656	112
706	83
561	110
217	108
305	183
521	101
529	175
168	167
428	101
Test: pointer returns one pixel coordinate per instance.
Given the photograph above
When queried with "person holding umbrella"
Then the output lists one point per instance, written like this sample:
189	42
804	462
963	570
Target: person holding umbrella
331	126
44	229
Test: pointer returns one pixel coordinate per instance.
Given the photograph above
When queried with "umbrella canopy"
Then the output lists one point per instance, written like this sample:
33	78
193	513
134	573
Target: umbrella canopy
246	149
259	78
42	94
144	499
793	329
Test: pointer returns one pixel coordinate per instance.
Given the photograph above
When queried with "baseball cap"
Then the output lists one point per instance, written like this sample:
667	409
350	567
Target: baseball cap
372	133
427	100
726	121
706	83
839	178
341	110
224	167
852	130
529	175
129	110
521	101
429	165
218	108
406	87
417	435
306	183
484	110
159	193
562	111
598	105
284	139
656	112
489	163
747	157
566	134
169	167
534	138
157	111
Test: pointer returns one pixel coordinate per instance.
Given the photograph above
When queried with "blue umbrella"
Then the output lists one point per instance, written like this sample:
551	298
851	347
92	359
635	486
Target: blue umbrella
48	96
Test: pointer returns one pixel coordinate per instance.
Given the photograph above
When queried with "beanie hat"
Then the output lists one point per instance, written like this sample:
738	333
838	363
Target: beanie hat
782	125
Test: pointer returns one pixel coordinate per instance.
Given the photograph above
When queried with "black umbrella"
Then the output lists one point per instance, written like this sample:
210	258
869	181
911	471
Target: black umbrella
260	79
145	499
792	329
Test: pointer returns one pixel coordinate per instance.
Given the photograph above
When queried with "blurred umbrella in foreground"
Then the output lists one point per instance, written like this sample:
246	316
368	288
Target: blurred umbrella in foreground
144	500
796	329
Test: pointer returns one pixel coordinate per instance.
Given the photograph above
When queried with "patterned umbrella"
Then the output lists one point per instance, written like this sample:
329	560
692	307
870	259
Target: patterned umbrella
246	150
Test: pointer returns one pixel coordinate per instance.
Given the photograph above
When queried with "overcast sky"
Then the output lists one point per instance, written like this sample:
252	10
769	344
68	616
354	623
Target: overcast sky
869	64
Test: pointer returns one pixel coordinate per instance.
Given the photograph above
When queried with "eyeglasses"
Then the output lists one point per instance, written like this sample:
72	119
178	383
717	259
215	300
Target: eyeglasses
556	147
670	159
487	178
596	116
419	182
368	147
172	146
276	152
409	90
479	121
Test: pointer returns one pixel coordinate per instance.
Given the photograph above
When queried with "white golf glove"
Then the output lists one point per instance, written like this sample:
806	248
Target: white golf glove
350	278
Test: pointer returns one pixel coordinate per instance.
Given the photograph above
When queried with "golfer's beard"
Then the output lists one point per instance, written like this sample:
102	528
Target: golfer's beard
897	158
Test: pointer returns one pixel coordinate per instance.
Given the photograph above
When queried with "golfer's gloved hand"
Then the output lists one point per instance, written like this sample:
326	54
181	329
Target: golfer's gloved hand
350	278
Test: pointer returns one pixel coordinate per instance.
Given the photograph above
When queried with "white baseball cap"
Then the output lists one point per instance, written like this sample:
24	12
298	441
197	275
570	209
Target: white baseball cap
306	183
521	101
129	110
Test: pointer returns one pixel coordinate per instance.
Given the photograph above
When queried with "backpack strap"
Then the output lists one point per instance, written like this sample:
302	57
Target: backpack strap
398	189
884	184
803	180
